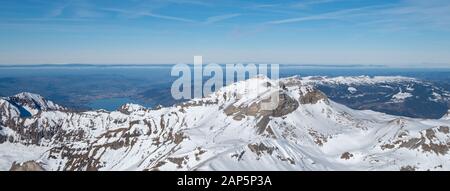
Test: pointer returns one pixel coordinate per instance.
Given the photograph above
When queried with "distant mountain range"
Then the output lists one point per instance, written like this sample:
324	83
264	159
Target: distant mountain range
394	95
229	130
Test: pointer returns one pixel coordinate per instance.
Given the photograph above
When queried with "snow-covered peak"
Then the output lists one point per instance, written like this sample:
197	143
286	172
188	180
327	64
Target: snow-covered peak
29	96
35	100
247	91
32	103
260	88
228	131
130	108
447	116
358	80
8	110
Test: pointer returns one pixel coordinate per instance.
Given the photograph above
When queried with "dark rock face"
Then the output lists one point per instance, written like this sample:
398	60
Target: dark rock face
260	148
2	137
426	142
26	166
408	168
286	105
313	97
25	102
444	129
127	109
346	156
124	109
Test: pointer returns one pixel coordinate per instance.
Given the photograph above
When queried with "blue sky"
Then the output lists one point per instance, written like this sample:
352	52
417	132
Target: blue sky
392	32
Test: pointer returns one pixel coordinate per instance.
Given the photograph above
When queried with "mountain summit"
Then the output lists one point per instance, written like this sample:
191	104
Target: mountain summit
227	130
446	116
28	104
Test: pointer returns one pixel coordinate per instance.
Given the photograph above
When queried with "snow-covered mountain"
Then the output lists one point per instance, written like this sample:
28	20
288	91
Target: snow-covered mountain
395	95
446	116
28	104
227	130
356	80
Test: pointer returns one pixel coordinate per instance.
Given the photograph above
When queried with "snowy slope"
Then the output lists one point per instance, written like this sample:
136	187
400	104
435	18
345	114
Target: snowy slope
446	116
10	152
355	80
31	103
394	95
229	130
401	96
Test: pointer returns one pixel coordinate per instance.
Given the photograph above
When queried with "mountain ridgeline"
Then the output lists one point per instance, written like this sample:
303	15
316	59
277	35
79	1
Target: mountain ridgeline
227	130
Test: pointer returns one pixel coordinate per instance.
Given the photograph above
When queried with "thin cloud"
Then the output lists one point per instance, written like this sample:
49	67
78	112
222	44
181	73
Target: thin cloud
58	10
271	8
191	2
209	20
76	9
408	14
300	19
215	19
335	15
257	6
148	14
166	17
309	3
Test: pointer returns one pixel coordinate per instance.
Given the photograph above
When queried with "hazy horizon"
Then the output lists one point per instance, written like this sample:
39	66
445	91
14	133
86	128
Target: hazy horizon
324	65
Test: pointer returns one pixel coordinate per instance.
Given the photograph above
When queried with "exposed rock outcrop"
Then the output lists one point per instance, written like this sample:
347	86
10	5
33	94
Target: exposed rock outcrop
313	97
130	108
427	141
346	156
285	105
26	166
3	138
